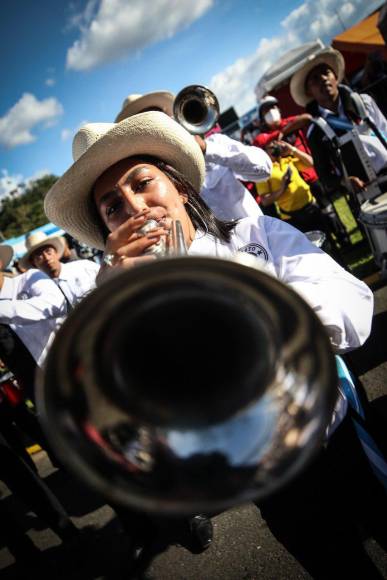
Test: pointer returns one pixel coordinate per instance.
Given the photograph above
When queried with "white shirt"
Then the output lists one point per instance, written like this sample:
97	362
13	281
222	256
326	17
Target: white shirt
76	279
227	161
34	308
343	303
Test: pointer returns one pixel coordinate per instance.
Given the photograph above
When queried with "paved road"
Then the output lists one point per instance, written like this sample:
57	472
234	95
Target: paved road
243	547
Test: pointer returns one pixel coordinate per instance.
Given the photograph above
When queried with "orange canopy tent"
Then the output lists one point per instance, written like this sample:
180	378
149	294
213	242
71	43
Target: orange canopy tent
357	42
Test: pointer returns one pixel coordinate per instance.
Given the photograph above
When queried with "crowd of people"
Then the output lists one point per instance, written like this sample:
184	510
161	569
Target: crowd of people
145	166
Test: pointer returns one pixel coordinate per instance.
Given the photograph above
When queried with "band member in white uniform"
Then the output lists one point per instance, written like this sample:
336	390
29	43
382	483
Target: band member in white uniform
148	166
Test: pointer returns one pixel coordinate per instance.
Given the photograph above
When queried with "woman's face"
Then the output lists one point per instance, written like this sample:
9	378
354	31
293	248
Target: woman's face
131	186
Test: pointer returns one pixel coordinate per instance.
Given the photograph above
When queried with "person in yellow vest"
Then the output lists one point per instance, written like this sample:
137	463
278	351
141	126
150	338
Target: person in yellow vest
288	190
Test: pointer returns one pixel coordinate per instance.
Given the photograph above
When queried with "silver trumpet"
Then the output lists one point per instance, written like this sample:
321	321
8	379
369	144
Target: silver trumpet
176	245
188	385
196	108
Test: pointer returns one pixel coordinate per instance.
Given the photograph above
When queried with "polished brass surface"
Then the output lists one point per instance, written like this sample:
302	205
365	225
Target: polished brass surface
188	385
196	108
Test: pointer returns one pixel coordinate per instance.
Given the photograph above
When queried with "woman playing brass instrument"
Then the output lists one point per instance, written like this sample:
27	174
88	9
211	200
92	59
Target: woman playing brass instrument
149	168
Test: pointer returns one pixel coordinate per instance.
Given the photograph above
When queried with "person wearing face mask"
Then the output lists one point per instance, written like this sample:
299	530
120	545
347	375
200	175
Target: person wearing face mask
291	129
276	128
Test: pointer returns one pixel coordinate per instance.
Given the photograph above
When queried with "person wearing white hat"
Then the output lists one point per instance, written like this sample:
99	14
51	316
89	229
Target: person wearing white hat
148	167
35	303
317	87
228	162
74	279
274	127
157	101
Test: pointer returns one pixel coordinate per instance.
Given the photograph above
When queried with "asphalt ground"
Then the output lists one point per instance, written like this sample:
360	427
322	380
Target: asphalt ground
243	547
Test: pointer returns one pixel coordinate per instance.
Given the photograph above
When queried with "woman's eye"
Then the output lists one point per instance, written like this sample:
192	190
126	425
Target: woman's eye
113	207
142	184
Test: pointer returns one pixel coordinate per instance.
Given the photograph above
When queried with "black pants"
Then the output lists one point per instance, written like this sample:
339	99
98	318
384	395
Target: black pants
309	218
28	486
316	516
18	359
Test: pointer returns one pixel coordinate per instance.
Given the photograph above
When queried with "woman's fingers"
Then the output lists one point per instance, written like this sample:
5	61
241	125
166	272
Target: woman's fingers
129	231
137	244
125	230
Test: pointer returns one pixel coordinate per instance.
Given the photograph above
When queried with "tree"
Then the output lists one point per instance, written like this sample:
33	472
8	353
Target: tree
20	214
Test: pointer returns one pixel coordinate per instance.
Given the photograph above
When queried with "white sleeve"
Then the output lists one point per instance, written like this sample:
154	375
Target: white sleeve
9	288
343	303
45	301
247	162
93	267
375	113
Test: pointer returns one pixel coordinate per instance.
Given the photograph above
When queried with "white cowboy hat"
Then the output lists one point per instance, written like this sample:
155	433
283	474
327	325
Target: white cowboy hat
37	240
6	255
333	58
134	104
98	146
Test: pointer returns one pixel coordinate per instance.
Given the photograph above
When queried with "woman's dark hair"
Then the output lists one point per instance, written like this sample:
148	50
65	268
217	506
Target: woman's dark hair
200	214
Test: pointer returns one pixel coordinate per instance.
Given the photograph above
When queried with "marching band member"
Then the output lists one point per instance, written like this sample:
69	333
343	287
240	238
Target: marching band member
148	167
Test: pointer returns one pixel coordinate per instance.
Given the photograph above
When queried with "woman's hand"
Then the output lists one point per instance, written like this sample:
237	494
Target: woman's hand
125	246
128	242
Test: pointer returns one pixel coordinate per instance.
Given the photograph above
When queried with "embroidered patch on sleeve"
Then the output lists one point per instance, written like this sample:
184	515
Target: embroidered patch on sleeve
255	249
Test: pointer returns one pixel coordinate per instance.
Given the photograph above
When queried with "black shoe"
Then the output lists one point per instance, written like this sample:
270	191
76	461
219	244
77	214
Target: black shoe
201	530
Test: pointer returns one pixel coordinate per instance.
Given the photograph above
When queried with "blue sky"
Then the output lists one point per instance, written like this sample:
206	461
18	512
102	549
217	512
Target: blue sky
67	63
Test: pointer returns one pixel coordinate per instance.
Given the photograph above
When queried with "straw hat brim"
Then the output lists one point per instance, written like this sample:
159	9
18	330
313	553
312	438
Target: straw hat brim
161	99
333	58
68	203
6	255
55	241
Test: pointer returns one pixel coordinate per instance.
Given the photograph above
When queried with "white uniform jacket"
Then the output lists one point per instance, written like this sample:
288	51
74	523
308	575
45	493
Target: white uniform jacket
34	308
227	161
76	279
343	303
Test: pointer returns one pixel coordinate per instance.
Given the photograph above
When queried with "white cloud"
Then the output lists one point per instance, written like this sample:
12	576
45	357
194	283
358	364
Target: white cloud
17	182
66	134
313	19
50	82
346	10
27	113
113	29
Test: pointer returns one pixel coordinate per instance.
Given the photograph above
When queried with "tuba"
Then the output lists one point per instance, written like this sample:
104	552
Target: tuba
196	108
188	385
